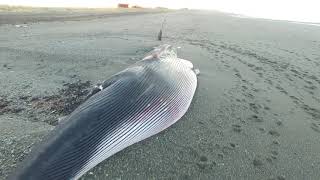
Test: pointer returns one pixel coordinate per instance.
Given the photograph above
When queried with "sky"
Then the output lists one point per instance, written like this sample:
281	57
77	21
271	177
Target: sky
293	10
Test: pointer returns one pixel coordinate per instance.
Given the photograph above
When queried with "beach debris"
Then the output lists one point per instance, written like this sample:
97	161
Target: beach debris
4	105
68	98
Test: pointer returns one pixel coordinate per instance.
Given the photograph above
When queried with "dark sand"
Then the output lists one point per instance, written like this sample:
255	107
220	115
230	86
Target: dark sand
23	15
256	113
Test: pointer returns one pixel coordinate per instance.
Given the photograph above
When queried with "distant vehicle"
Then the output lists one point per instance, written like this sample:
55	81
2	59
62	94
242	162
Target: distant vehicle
120	5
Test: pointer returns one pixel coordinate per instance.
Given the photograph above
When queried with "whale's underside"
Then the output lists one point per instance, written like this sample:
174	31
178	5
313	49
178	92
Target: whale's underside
132	105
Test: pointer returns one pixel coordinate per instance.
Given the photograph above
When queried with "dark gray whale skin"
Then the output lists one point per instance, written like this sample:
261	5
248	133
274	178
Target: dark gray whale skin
132	105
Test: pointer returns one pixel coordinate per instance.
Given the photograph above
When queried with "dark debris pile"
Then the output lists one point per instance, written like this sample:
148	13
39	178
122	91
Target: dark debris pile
67	99
49	108
4	105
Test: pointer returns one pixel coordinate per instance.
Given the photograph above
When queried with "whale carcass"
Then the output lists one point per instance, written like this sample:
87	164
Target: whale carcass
132	105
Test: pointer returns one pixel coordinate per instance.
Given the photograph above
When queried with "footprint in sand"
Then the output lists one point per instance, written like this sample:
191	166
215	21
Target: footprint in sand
256	90
254	107
308	82
295	71
315	126
274	133
275	142
262	130
274	153
220	156
266	108
244	87
228	149
236	128
278	122
281	89
204	164
256	118
257	162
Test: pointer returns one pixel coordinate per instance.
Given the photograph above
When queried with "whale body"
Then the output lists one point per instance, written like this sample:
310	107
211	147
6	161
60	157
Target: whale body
130	106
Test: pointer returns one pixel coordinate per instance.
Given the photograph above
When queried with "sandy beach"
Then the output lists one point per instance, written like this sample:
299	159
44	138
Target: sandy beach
255	115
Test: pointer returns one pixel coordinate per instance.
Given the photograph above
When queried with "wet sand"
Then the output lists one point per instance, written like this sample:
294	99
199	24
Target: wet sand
255	115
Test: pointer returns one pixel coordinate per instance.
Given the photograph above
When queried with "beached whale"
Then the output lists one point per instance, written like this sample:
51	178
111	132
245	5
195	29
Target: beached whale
132	105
